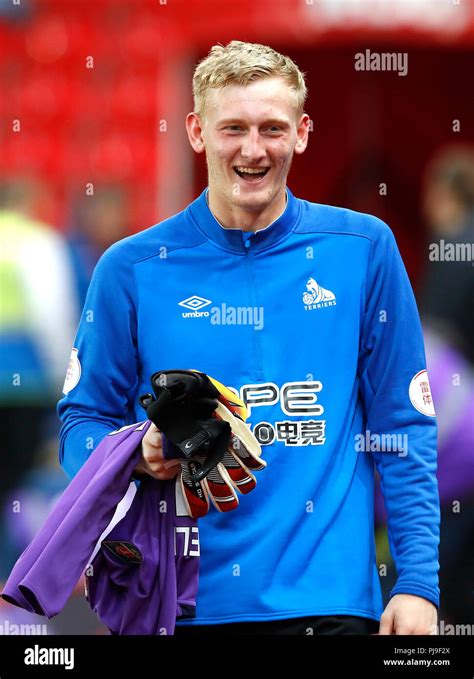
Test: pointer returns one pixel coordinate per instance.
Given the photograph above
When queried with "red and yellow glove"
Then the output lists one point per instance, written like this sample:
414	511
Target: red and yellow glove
203	424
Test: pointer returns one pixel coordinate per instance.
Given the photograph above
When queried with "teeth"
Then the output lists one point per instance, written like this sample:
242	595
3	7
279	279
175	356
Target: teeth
251	170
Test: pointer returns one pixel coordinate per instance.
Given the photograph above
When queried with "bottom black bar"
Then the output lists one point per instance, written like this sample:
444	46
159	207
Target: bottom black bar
86	656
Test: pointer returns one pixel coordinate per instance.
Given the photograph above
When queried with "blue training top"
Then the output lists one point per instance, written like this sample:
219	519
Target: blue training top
313	321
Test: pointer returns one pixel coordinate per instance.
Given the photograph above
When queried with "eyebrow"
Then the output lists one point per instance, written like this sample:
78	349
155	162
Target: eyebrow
270	121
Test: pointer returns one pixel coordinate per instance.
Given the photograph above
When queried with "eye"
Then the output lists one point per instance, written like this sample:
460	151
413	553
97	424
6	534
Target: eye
233	128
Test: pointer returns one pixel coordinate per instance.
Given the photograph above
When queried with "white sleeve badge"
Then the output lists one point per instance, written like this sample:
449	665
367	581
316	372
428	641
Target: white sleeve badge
73	374
420	394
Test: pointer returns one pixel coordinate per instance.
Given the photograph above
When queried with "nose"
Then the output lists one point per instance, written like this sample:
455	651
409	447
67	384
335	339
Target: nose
252	147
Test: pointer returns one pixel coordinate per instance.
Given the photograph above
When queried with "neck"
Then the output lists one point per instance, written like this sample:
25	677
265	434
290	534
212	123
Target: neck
235	217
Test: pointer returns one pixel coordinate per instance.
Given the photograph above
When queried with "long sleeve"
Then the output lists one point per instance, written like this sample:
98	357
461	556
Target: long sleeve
102	374
399	412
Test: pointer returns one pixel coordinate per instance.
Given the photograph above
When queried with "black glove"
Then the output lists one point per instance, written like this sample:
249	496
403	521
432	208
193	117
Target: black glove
203	423
183	410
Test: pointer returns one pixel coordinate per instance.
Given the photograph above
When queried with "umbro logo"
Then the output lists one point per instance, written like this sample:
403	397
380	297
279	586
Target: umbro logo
316	297
195	304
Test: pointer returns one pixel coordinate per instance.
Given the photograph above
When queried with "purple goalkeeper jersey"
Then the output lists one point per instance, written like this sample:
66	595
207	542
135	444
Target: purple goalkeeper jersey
139	547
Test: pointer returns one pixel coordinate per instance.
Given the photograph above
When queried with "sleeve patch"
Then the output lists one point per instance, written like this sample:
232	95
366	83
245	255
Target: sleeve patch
420	394
73	374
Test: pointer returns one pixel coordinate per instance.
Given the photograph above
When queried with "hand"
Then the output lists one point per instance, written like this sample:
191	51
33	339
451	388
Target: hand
408	614
151	460
203	426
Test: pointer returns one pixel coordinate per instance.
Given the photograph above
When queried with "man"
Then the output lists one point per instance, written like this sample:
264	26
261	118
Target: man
222	287
447	291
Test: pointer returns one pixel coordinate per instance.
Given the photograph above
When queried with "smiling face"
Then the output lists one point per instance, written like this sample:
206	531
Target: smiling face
249	134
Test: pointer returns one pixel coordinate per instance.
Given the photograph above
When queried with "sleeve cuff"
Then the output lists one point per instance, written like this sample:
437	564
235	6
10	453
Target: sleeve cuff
417	589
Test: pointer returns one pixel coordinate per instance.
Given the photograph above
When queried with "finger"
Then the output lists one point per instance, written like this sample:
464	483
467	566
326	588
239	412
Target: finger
195	494
151	454
155	467
242	433
174	472
154	438
221	489
248	455
168	464
163	475
159	467
240	477
386	623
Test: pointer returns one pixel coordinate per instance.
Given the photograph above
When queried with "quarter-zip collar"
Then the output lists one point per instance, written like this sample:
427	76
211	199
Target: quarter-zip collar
237	240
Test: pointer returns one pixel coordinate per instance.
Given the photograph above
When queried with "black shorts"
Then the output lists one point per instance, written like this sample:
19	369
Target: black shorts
310	625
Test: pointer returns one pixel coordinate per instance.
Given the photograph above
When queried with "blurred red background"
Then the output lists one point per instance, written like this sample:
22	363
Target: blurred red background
101	91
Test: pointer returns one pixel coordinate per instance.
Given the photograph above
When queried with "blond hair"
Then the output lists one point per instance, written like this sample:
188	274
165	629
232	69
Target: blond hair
240	63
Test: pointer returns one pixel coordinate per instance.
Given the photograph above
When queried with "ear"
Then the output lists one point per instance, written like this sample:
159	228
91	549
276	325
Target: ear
302	133
194	130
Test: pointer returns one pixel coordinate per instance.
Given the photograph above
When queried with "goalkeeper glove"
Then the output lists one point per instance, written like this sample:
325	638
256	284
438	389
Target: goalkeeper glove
203	425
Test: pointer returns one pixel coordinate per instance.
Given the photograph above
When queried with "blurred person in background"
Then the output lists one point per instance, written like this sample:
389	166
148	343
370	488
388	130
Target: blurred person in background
38	315
452	383
447	291
446	298
26	506
22	513
97	221
452	379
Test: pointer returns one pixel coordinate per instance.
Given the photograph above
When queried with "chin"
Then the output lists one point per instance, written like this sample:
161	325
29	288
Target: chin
258	195
251	201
